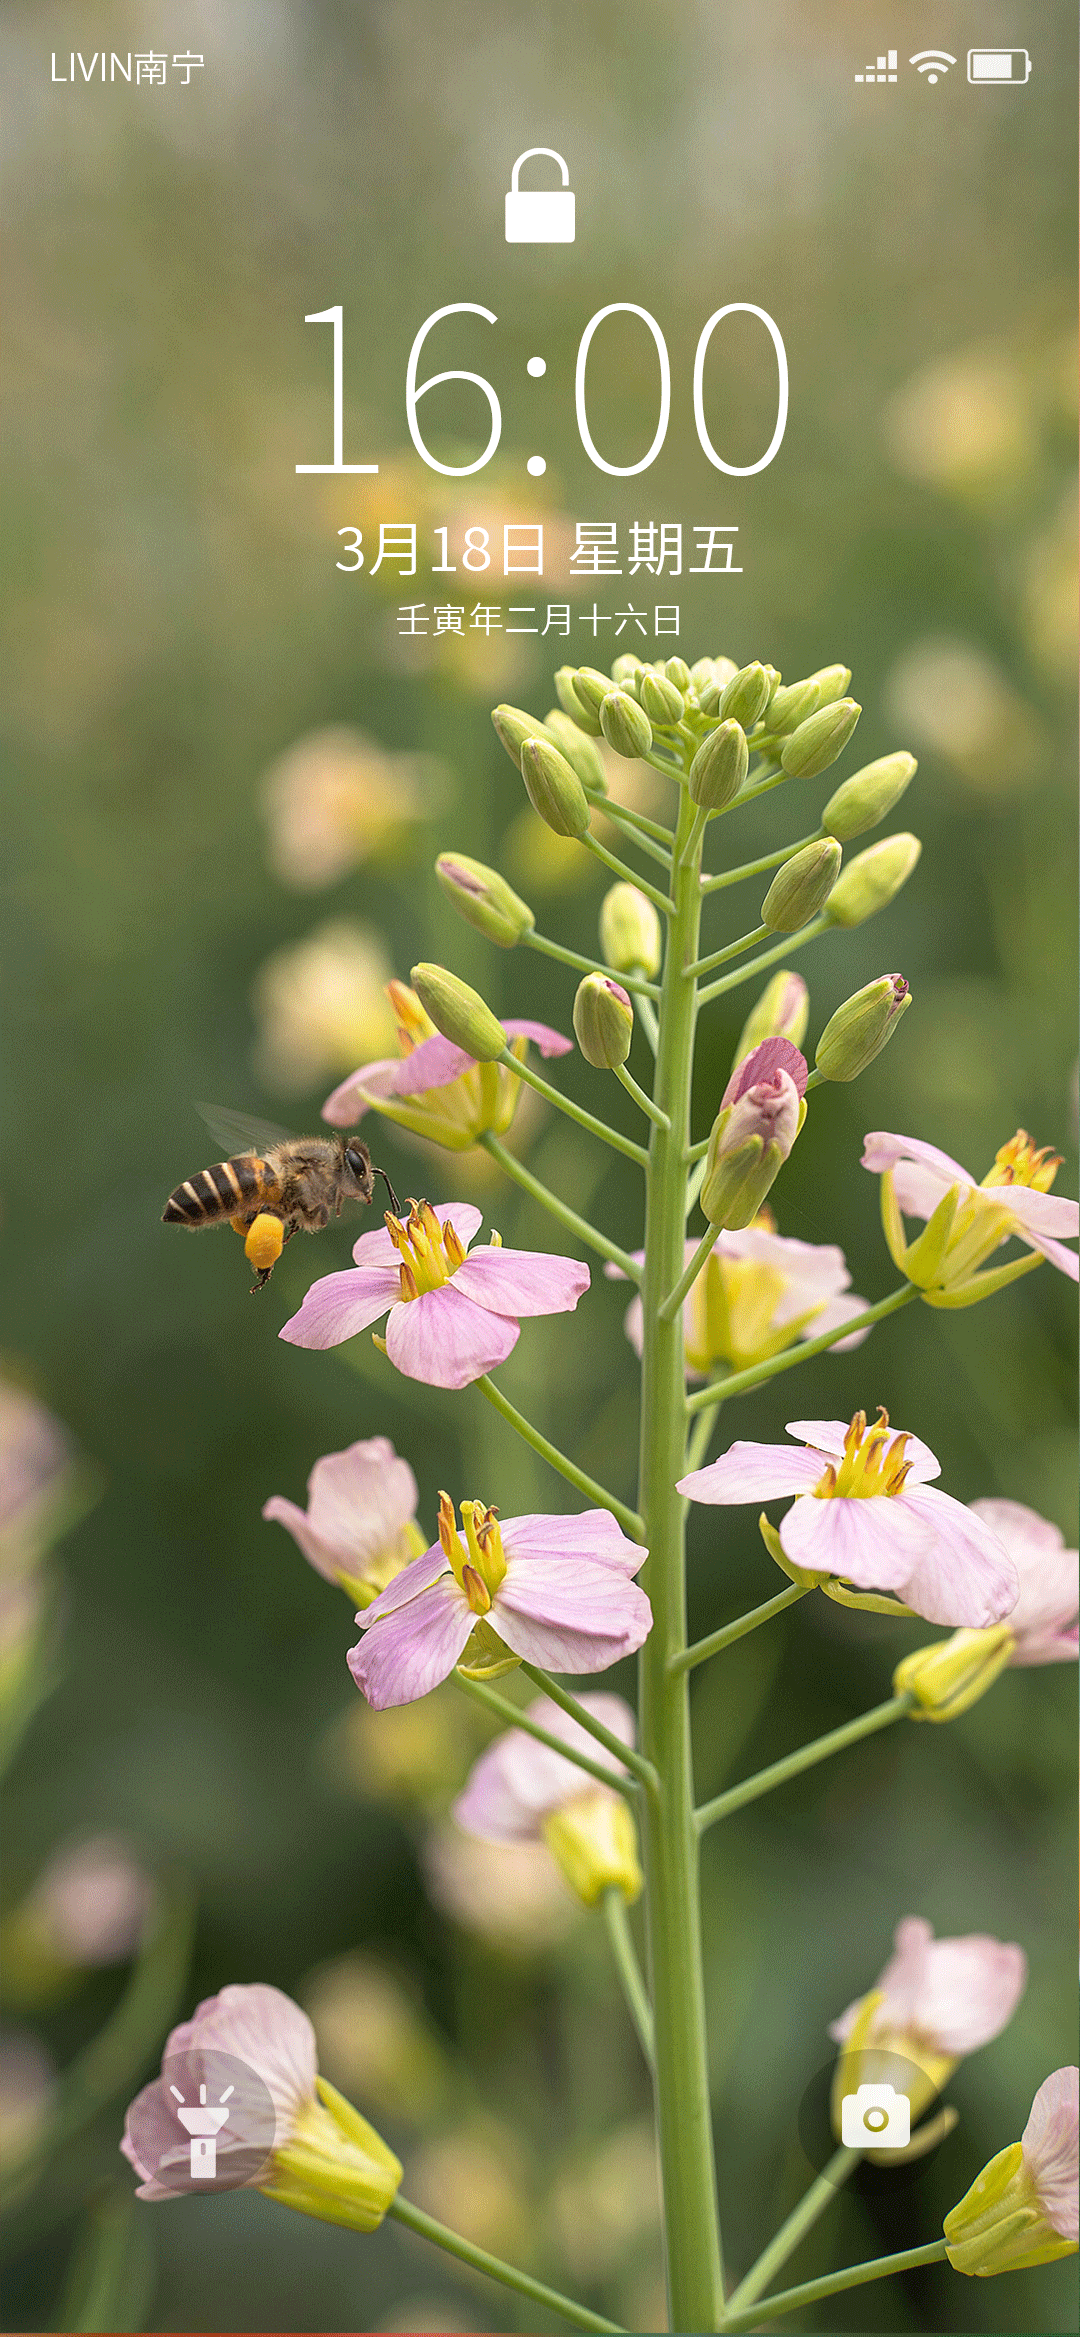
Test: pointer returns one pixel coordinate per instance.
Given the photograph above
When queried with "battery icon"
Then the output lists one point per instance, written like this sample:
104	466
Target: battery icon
998	65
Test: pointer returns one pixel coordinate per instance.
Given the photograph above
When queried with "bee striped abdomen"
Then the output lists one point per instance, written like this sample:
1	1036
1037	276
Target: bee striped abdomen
225	1190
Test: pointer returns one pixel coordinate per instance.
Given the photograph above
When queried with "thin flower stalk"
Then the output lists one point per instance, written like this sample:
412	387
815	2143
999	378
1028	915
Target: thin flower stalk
793	2231
729	876
585	965
781	1772
628	1518
738	1382
513	1717
652	1111
624	1955
769	957
427	2227
732	949
729	1633
629	875
560	1210
587	1120
810	2292
635	1762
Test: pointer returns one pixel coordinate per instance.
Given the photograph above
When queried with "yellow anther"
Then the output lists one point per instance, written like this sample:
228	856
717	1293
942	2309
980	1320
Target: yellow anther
407	1281
453	1247
448	1539
475	1591
428	1219
1019	1163
872	1464
396	1231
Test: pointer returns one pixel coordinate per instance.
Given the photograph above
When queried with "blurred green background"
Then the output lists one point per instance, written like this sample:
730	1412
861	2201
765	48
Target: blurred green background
175	625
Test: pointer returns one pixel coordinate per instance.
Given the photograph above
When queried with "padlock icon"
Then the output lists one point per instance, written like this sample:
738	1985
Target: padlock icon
540	214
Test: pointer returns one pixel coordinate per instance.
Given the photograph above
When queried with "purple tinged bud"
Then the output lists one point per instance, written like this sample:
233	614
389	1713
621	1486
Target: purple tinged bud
484	899
760	1116
603	1022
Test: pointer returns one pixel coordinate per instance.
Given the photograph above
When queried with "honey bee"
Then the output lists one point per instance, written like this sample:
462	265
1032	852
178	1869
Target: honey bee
276	1186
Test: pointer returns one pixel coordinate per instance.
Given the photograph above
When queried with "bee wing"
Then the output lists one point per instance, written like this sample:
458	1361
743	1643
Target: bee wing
241	1132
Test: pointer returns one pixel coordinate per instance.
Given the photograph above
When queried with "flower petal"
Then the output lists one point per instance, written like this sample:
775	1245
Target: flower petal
549	1042
871	1543
882	1152
1042	1213
956	1993
572	1615
517	1782
262	2026
1049	2144
842	1309
754	1472
963	1575
522	1282
358	1500
586	1533
417	1576
340	1305
443	1339
828	1436
761	1065
407	1652
1066	1261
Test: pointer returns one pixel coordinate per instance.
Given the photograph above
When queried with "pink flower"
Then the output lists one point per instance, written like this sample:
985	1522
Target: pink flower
757	1292
952	1994
866	1514
1044	1619
435	1088
1012	1199
358	1529
1022	2209
555	1591
521	1791
452	1315
285	2130
1049	2145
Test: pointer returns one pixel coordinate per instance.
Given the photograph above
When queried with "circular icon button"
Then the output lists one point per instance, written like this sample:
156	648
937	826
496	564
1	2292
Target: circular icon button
206	2124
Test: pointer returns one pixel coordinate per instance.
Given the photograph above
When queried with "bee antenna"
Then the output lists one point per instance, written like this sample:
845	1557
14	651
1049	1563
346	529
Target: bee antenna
394	1202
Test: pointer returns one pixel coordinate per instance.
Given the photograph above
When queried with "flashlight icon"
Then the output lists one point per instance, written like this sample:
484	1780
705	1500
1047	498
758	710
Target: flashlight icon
204	2125
998	65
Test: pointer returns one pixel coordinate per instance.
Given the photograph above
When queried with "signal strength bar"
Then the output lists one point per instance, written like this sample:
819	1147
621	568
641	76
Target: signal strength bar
885	69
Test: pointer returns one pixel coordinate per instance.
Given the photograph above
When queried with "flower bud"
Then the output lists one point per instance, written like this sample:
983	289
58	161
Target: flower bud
861	1027
592	687
746	697
459	1013
953	1673
801	887
625	724
553	789
831	682
788	707
603	1022
820	739
782	1012
630	931
594	1840
1021	2210
719	767
581	754
703	670
864	799
333	2165
571	704
514	727
710	693
678	671
752	1134
872	879
484	898
661	700
626	669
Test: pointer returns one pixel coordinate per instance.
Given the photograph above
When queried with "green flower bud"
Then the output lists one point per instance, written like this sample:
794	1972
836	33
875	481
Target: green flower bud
861	1027
592	687
864	799
787	708
703	670
624	723
820	739
581	754
572	705
831	681
782	1012
626	669
745	699
719	767
514	727
801	887
603	1022
775	679
661	700
459	1013
710	693
484	898
593	1839
951	1674
873	878
629	931
678	671
554	789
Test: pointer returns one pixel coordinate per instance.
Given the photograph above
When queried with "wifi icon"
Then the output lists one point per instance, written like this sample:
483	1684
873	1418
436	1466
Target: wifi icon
934	63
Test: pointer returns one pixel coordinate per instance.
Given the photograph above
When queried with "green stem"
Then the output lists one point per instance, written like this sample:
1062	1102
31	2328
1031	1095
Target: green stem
814	1079
574	1112
652	1111
638	1766
739	1381
466	2251
690	848
626	823
621	812
512	1715
698	1441
761	786
627	1518
696	1179
646	1015
696	1152
729	876
785	947
807	1757
629	1971
584	965
789	2300
629	875
801	2220
727	1636
669	1843
668	768
671	1305
590	1234
733	949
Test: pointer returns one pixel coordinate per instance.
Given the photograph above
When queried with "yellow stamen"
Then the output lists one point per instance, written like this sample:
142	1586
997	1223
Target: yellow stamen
481	1566
1019	1163
475	1591
873	1464
407	1281
430	1252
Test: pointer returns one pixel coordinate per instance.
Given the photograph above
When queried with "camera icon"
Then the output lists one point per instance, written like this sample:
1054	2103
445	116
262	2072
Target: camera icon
874	2117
